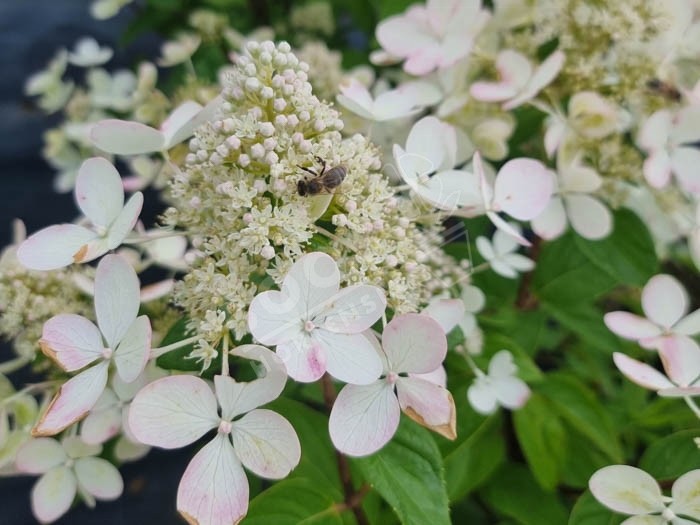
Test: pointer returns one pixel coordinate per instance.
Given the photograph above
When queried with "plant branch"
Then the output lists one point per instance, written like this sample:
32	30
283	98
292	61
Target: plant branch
526	300
353	498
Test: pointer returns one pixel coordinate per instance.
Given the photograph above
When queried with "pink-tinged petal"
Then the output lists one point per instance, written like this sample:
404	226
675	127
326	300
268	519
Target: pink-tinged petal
554	136
133	351
394	104
627	490
238	398
485	186
101	425
364	418
73	400
117	298
99	478
641	373
414	343
551	223
447	312
355	97
304	358
502	365
589	217
428	405
155	291
402	35
664	300
680	356
312	281
482	397
353	309
125	221
71	341
55	247
689	325
523	188
266	444
434	140
685	495
655	131
511	392
508	228
39	455
514	68
543	76
275	317
173	412
657	169
176	127
122	137
99	191
214	489
630	326
53	494
684	163
437	376
686	125
351	358
492	91
174	136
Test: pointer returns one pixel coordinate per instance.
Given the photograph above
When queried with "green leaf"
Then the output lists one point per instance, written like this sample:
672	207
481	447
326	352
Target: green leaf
580	408
565	276
514	493
627	254
672	456
177	359
293	501
587	511
586	321
582	461
478	455
408	473
543	440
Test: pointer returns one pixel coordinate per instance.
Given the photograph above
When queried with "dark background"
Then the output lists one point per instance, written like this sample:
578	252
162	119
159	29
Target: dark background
30	33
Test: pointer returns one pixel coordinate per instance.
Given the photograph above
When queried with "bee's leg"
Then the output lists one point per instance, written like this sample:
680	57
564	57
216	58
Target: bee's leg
309	170
322	163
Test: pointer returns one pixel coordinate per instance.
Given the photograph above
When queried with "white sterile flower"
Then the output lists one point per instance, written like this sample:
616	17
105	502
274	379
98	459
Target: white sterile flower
123	137
180	50
104	9
111	91
501	387
522	189
667	139
631	491
501	254
665	303
435	35
589	217
175	411
168	252
403	101
74	342
681	361
100	196
365	417
427	166
49	85
68	468
17	417
519	82
450	313
316	326
88	53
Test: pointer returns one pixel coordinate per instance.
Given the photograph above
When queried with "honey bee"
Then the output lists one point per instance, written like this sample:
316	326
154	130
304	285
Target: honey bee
664	89
324	181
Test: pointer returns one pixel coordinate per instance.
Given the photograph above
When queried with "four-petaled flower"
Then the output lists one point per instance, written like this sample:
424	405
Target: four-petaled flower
631	491
500	387
316	326
100	196
665	304
501	254
365	417
175	411
68	468
74	342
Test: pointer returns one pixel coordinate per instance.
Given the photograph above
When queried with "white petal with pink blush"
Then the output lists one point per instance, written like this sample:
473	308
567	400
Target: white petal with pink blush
100	196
